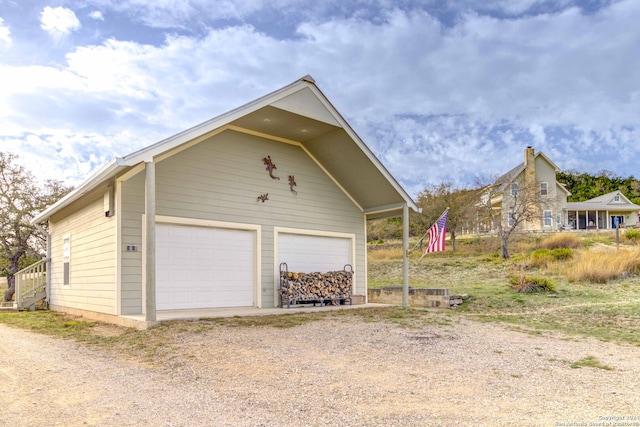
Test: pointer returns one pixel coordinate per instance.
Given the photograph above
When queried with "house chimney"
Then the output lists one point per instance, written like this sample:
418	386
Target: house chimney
528	155
529	164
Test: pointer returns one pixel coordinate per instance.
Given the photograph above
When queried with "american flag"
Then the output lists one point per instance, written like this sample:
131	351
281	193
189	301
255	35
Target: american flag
437	233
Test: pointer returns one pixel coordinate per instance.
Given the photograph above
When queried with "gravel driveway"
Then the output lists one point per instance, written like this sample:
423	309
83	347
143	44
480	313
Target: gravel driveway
325	373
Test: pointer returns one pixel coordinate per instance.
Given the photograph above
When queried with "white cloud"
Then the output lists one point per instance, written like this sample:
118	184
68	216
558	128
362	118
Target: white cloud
59	20
5	33
97	15
470	96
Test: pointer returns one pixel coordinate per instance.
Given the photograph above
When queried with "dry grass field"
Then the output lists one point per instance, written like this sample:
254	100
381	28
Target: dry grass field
597	287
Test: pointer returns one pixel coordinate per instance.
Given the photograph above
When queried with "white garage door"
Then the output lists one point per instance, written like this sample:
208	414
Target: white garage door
305	253
204	267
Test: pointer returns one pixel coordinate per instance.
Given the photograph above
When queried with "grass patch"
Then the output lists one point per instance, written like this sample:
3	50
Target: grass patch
156	344
561	241
590	362
48	323
528	285
632	236
541	258
607	310
603	265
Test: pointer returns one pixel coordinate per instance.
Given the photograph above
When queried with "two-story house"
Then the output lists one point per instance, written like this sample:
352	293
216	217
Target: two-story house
530	189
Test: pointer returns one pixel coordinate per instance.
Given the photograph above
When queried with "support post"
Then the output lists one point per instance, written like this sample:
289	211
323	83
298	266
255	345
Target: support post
48	261
150	241
405	255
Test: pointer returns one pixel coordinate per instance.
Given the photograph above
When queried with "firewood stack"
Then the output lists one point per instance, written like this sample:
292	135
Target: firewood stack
316	287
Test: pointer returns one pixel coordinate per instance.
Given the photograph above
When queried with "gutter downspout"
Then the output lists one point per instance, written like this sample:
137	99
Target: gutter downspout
47	260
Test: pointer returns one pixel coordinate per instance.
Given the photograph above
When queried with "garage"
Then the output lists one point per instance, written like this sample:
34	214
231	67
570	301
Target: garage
309	253
204	267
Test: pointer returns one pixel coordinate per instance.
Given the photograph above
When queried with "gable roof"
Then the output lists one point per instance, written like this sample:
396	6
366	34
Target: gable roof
605	203
298	114
503	181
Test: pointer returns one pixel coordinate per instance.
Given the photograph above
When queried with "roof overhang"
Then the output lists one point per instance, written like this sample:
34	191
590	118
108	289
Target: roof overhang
590	206
297	114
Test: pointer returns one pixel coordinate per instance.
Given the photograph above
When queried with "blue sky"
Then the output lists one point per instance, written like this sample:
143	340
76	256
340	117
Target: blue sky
439	90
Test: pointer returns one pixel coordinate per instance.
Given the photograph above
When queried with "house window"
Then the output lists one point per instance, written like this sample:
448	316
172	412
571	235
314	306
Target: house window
512	218
548	220
616	198
544	188
66	256
514	189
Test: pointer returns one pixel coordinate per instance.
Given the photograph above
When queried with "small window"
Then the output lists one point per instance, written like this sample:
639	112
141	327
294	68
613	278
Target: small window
548	219
512	218
514	189
66	255
544	188
616	198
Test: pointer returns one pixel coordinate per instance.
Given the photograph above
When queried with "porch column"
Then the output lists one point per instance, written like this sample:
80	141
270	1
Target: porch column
405	255
150	241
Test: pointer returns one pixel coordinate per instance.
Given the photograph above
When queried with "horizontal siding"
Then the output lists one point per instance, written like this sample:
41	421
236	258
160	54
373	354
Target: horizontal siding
131	234
221	178
92	257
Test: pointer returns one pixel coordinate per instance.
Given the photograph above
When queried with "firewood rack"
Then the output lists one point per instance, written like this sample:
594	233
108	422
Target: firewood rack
284	296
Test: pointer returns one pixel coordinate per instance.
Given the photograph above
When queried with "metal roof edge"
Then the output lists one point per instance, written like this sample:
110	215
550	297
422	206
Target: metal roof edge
106	172
147	153
110	169
365	149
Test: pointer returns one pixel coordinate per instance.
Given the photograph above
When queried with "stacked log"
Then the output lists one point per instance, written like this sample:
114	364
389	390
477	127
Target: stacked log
311	287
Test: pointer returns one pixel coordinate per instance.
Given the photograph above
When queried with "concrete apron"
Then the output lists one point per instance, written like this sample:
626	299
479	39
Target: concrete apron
138	321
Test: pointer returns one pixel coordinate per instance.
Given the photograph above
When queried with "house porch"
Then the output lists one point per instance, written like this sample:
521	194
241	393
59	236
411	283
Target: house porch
593	220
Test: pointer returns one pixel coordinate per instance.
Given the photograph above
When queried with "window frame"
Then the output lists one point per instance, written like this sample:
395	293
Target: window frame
544	188
547	218
66	260
514	188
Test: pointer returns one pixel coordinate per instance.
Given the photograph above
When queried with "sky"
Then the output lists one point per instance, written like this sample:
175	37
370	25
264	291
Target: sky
439	90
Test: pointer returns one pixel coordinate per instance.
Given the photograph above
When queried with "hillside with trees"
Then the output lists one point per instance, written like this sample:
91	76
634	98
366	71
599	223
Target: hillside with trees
584	186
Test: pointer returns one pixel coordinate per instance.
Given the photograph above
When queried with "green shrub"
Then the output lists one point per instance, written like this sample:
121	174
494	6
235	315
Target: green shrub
560	254
632	235
542	257
528	285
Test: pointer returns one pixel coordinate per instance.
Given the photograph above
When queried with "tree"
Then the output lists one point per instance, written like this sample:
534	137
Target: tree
20	199
435	199
584	186
510	206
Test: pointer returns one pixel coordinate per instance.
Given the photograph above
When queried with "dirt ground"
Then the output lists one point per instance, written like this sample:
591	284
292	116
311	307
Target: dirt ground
330	372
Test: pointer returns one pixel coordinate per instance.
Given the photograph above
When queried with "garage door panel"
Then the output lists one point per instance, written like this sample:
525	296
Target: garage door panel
308	253
203	267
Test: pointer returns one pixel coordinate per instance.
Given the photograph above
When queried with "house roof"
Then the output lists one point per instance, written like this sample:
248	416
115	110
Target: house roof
298	113
506	179
605	202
